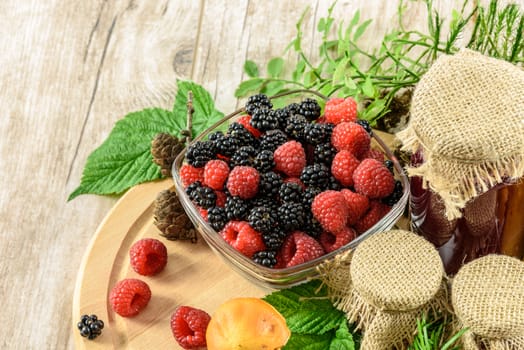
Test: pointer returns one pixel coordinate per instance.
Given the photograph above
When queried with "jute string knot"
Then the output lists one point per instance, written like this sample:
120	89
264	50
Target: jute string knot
488	299
467	117
388	282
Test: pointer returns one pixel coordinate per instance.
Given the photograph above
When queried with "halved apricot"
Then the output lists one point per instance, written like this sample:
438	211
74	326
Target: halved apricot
247	323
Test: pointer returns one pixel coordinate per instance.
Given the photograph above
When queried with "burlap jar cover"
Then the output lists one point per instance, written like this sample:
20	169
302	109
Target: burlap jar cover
488	299
388	282
467	115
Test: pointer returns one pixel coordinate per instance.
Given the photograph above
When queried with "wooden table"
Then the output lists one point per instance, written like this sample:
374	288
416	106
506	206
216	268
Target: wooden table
68	71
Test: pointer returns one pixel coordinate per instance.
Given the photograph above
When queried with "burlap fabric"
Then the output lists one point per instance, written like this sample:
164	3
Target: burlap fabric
488	298
467	117
385	285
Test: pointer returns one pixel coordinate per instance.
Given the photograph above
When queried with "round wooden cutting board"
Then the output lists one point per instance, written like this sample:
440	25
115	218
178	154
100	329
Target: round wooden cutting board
194	276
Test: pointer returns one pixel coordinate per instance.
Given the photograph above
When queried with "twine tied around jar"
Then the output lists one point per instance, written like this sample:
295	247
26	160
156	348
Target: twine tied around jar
389	281
488	299
467	116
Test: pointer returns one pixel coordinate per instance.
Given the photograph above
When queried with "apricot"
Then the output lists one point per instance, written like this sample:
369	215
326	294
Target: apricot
247	323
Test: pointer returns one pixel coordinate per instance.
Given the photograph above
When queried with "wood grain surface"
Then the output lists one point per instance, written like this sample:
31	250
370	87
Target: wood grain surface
68	71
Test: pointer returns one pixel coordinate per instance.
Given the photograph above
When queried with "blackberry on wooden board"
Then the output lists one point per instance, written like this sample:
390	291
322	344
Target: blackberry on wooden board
90	326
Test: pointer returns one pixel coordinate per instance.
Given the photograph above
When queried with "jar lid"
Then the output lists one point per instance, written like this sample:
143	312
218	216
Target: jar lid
396	270
467	116
488	296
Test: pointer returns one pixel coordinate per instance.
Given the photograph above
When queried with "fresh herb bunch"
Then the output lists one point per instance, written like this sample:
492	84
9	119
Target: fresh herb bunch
432	335
377	76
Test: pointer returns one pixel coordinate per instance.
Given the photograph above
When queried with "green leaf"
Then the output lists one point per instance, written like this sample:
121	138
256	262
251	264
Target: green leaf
350	83
361	29
204	114
374	109
309	78
308	342
321	26
275	66
340	71
343	338
305	310
124	158
299	70
248	86
273	87
251	69
367	88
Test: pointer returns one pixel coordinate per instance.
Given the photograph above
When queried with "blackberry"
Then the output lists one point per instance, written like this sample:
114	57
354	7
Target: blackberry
324	153
365	124
215	135
309	195
334	184
389	164
242	135
290	192
292	109
281	115
255	102
217	218
272	139
316	175
310	109
90	326
270	184
273	240
262	219
318	133
200	152
267	258
291	216
395	196
263	161
243	156
264	119
203	196
295	127
311	226
236	208
225	145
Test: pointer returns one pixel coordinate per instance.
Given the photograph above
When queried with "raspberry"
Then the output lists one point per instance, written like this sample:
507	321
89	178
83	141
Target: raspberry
351	137
216	172
299	248
373	179
243	238
331	242
203	213
148	256
376	211
243	182
129	296
340	110
330	209
358	205
221	199
189	327
245	120
343	166
375	154
190	174
290	158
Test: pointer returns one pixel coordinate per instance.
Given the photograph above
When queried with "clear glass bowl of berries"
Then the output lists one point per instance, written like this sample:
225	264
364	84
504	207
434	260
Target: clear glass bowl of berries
284	183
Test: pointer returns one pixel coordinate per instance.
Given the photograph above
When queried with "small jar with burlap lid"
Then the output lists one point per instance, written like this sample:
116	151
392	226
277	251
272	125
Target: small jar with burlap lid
388	282
466	135
488	299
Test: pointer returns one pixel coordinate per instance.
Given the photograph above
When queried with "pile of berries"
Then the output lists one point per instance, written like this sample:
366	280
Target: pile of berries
284	186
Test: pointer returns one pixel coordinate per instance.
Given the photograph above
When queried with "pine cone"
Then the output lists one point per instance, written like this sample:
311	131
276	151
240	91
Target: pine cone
171	219
165	148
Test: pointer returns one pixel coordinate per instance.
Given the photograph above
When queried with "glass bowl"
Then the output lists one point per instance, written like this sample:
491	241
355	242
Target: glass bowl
271	278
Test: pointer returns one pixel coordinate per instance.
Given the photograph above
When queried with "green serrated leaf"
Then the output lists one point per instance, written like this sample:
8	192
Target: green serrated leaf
124	158
308	342
204	114
305	310
251	69
275	67
343	338
248	86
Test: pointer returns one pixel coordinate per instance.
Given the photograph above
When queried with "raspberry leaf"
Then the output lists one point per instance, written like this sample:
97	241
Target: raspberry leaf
124	158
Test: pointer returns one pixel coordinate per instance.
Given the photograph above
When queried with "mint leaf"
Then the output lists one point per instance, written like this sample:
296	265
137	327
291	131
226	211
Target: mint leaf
124	159
251	69
204	114
308	342
305	310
